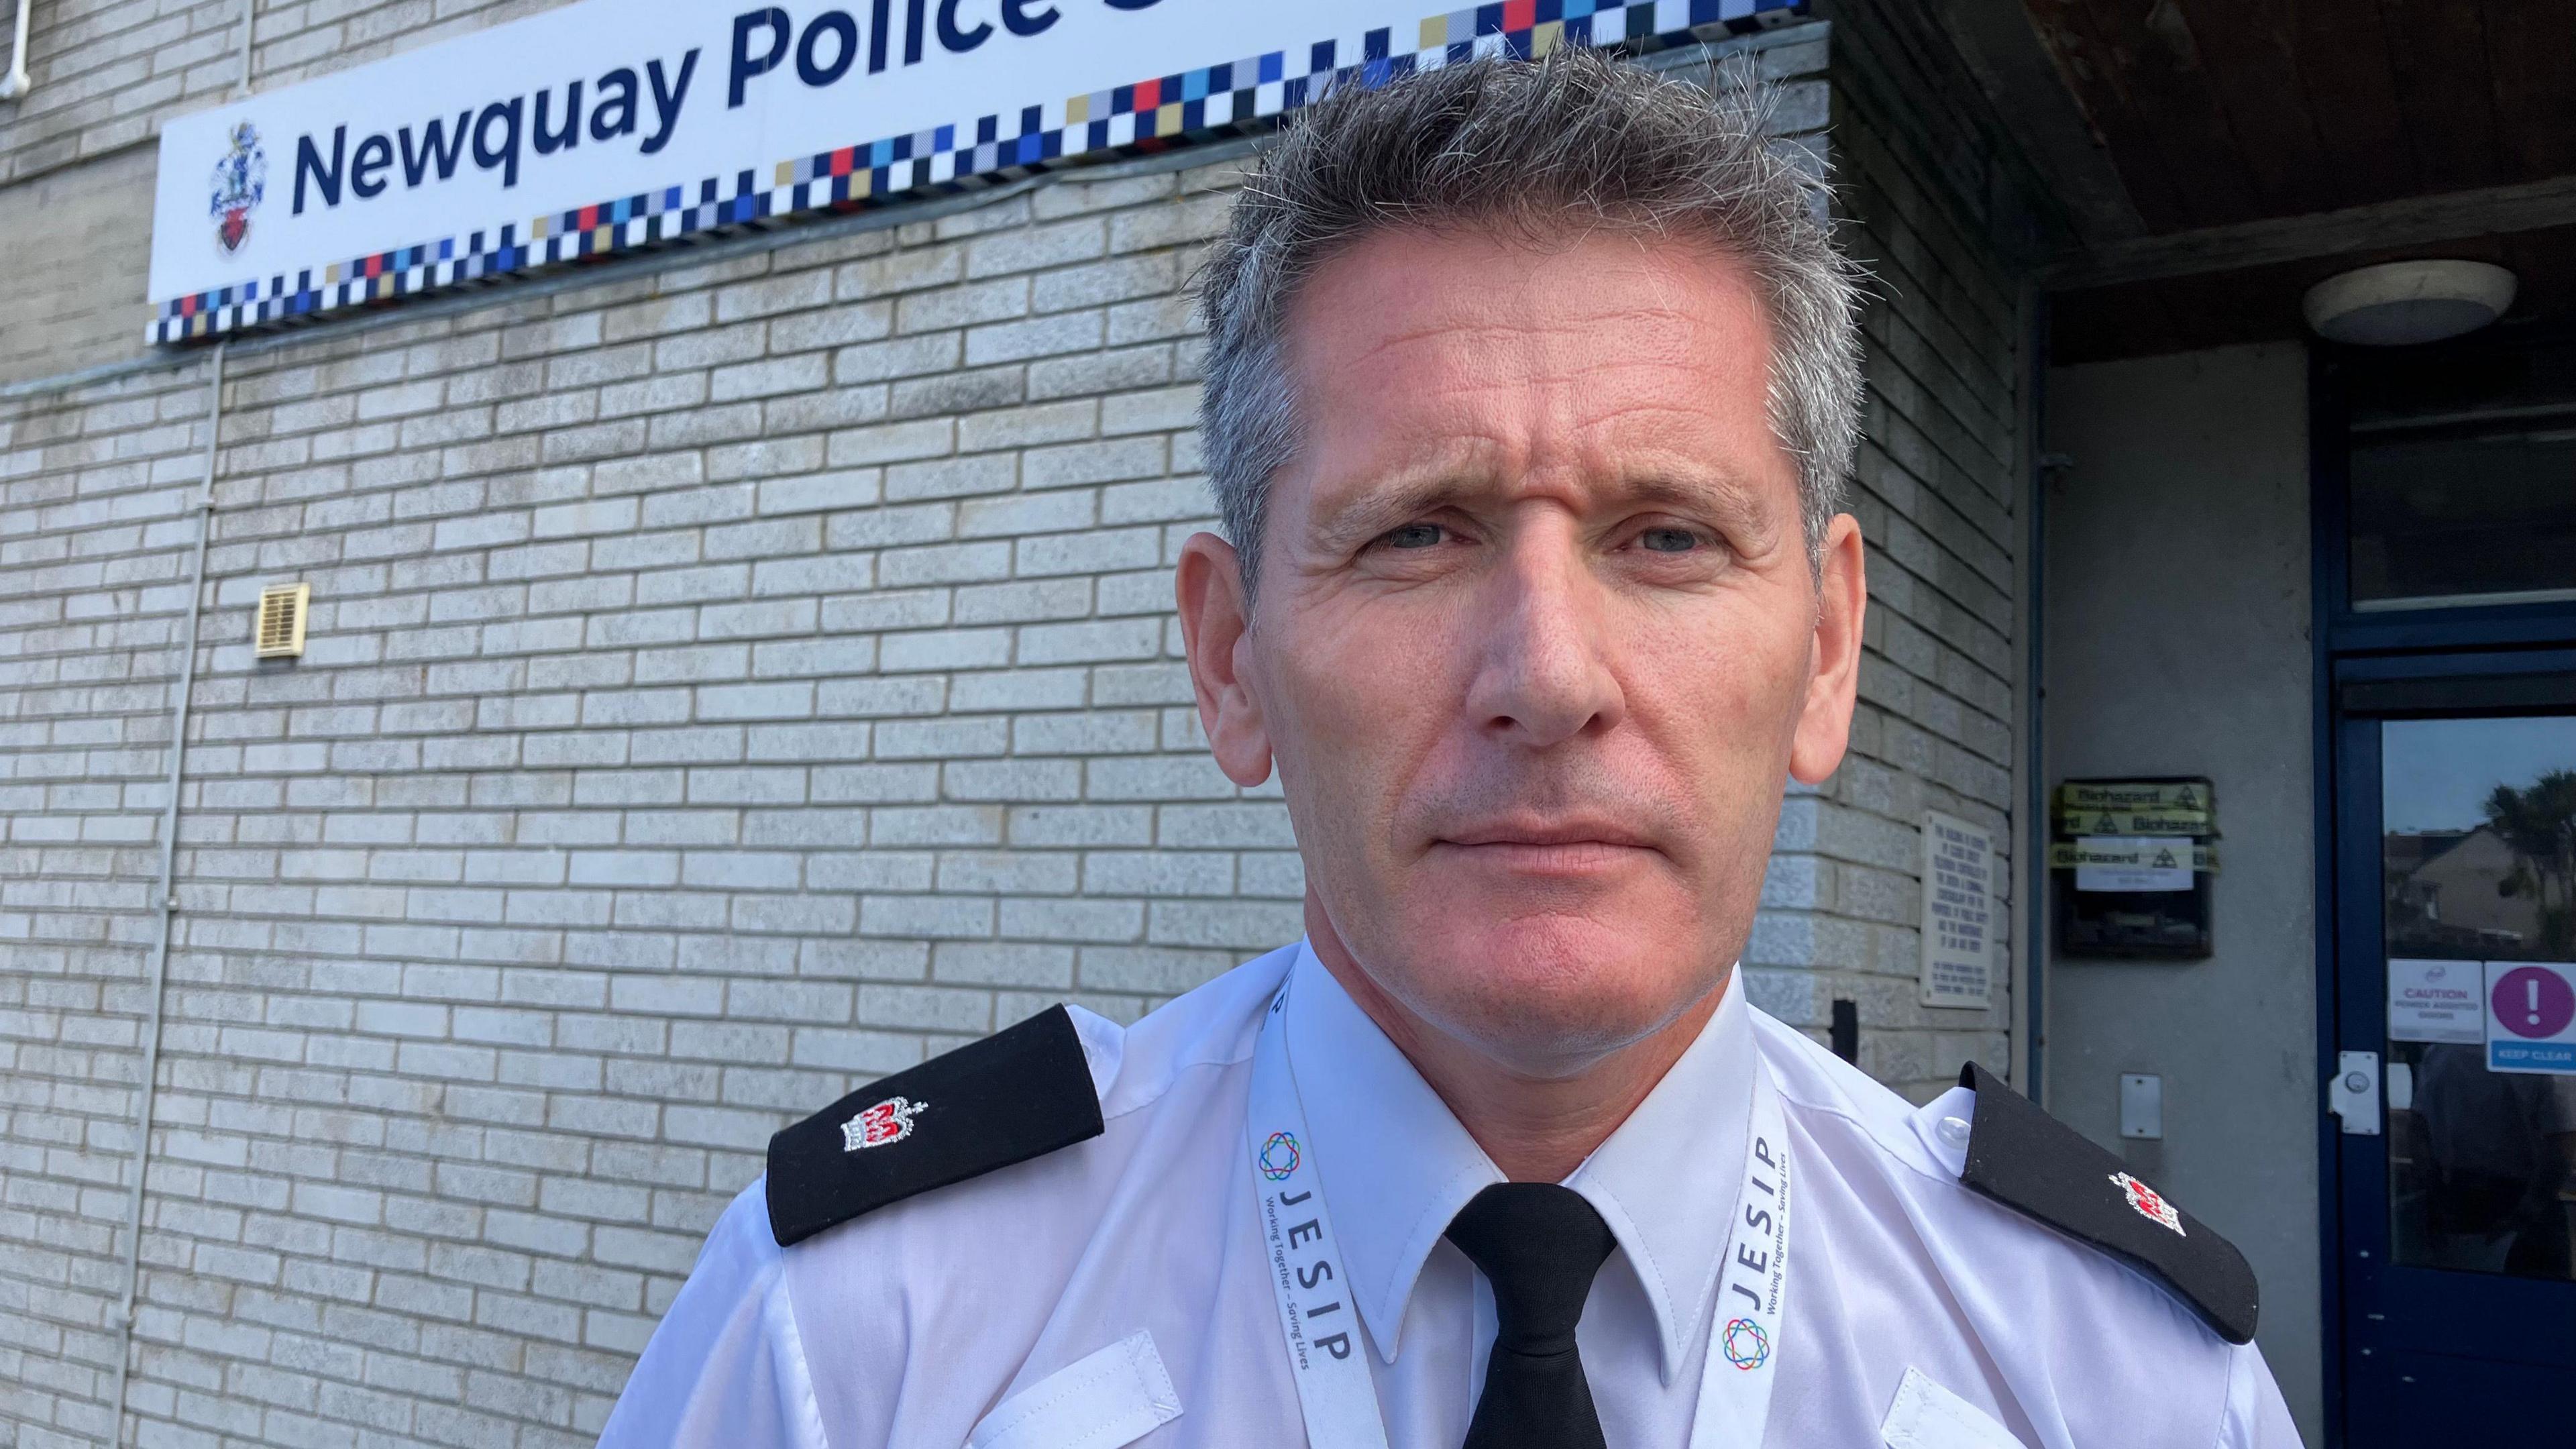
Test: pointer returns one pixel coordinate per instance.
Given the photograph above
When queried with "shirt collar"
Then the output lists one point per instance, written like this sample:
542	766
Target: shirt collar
1666	1181
1398	1165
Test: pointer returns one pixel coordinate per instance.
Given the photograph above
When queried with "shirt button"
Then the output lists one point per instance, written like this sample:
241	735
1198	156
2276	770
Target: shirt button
1953	1131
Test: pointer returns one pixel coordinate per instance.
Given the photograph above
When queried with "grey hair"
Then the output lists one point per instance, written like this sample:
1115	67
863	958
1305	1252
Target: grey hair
1577	139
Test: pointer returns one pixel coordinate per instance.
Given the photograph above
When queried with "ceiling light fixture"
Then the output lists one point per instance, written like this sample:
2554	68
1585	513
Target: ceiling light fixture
2395	304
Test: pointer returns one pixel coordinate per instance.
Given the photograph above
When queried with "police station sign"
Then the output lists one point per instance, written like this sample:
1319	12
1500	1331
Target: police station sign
605	125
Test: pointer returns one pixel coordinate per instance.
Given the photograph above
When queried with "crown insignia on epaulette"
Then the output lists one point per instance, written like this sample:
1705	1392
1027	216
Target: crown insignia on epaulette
2149	1202
883	1125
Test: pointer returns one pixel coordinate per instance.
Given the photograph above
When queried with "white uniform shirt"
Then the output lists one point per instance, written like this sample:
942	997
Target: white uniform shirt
1117	1291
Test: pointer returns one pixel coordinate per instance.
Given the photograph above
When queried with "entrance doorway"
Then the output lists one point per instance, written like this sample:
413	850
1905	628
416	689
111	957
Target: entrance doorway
2446	493
2459	1216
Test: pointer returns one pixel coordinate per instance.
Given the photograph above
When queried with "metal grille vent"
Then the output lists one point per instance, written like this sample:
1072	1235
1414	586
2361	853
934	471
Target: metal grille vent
280	634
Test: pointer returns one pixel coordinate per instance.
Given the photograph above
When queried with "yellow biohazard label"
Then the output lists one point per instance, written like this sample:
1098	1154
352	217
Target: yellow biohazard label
2136	822
2187	796
2070	854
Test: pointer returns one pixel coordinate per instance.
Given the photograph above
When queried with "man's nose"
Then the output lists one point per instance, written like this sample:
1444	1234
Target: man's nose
1543	673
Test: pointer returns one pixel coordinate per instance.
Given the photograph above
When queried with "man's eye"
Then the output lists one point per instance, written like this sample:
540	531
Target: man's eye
1414	535
1668	540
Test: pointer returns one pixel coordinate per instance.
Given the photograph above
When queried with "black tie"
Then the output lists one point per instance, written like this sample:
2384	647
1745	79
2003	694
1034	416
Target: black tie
1539	1245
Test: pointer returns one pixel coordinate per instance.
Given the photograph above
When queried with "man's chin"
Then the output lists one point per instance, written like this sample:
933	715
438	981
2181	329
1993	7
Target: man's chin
1555	990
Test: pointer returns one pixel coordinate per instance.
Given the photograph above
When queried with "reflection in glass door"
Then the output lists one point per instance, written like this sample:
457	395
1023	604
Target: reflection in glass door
2478	851
2456	964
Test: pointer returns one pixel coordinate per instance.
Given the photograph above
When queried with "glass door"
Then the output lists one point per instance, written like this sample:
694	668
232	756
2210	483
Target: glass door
2456	945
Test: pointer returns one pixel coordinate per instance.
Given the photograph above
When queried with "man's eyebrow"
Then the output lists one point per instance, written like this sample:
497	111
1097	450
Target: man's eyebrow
1392	505
1722	500
1716	496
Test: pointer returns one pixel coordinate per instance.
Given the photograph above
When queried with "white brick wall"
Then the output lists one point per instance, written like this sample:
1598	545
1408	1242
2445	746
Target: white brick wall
75	264
1941	477
724	683
108	73
729	679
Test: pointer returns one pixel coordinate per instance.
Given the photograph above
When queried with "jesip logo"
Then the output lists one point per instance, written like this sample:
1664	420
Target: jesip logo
1746	1345
239	182
1279	1157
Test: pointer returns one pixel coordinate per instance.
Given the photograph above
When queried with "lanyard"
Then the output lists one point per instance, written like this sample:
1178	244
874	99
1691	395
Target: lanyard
1752	1285
1328	1353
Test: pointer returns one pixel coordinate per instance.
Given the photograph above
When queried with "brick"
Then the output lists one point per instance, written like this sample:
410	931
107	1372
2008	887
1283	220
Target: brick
1106	639
958	306
957	392
756	701
821	492
952	477
600	515
945	649
1025	513
1035	337
892	442
931	917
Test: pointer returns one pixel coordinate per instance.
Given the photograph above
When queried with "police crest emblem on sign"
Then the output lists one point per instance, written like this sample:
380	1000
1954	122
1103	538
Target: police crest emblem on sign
239	183
882	1125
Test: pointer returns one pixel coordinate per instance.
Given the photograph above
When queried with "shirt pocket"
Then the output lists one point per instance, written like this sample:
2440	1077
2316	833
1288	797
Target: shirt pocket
1928	1416
1112	1397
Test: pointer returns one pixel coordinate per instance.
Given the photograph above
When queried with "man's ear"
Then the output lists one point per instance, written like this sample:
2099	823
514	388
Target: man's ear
1216	628
1842	601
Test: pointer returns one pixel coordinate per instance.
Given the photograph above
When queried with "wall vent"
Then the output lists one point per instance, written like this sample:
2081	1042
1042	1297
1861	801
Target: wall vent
280	633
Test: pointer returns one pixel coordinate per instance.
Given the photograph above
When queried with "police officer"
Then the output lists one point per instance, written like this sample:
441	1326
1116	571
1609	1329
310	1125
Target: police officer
1529	393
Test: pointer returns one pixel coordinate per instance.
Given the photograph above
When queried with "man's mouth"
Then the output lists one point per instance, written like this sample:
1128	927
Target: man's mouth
1570	846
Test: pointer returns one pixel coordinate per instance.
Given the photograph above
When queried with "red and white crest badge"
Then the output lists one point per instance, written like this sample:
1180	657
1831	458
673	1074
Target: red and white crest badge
2149	1202
882	1125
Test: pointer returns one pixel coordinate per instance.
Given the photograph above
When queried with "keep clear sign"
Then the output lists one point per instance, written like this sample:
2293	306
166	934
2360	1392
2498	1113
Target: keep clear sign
1958	912
2531	1016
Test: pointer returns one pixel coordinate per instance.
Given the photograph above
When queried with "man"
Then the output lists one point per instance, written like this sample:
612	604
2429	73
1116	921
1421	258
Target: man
1529	394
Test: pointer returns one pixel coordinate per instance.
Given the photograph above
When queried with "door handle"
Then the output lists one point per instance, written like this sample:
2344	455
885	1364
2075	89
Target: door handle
2353	1096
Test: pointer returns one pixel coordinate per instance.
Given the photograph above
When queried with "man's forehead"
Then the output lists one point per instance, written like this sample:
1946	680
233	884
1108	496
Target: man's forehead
1468	368
1407	283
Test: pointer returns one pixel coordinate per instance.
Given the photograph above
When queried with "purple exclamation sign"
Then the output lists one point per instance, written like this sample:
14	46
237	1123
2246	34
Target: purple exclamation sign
2533	1002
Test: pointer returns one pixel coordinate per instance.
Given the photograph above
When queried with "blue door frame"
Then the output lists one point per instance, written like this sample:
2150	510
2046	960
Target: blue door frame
2410	1353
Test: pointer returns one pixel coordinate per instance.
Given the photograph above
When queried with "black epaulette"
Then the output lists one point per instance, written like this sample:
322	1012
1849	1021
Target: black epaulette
2031	1162
1017	1094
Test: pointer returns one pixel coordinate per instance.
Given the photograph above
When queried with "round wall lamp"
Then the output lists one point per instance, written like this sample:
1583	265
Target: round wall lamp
2395	304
